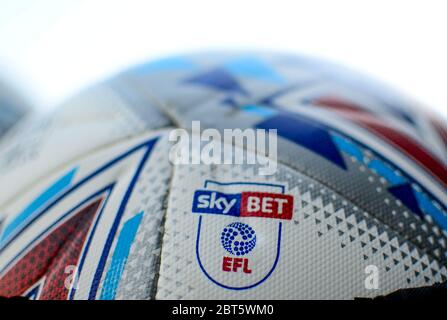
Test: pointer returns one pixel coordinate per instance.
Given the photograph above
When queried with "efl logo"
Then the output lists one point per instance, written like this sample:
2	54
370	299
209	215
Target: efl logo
244	204
246	223
238	239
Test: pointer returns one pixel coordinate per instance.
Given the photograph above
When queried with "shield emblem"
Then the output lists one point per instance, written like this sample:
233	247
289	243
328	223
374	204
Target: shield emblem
236	251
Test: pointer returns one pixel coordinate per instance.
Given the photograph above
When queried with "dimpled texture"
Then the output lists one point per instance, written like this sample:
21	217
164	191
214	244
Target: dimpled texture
366	168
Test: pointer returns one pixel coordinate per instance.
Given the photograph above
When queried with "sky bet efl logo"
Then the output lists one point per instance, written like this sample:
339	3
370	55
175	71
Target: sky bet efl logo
239	231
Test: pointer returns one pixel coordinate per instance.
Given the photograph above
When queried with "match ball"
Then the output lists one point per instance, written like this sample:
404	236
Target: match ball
306	180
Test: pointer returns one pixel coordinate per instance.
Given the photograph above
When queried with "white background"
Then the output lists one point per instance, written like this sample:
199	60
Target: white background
52	48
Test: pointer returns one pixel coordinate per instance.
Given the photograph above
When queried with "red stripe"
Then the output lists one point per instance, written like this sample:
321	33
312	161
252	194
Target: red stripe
394	137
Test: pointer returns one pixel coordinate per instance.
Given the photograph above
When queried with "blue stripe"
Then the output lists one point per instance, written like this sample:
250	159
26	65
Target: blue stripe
37	204
386	172
147	144
254	68
306	133
429	208
107	189
262	111
119	258
105	253
348	147
168	64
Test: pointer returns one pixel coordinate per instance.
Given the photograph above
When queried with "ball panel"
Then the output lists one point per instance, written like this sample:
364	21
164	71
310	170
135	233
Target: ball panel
325	248
126	181
95	118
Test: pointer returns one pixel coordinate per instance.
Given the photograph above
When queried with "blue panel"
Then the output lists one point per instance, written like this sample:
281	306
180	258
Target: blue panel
262	111
213	202
32	294
405	194
218	79
306	133
386	172
254	68
119	258
429	208
169	64
348	147
37	203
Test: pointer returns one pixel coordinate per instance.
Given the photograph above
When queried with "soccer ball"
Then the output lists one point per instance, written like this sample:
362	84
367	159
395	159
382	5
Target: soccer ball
225	176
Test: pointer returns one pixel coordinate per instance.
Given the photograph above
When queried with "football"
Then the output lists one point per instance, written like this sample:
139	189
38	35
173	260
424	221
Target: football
225	175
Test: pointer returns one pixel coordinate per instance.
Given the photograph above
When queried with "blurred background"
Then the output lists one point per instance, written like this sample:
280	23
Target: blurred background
51	48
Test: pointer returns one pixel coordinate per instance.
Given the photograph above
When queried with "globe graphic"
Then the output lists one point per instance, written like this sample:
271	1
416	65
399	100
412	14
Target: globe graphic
238	238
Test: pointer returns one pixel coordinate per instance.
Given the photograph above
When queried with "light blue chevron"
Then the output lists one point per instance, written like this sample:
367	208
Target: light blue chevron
168	64
428	207
386	172
119	258
36	204
259	110
348	147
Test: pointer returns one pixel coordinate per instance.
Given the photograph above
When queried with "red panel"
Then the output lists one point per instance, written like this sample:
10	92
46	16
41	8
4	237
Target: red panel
50	256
